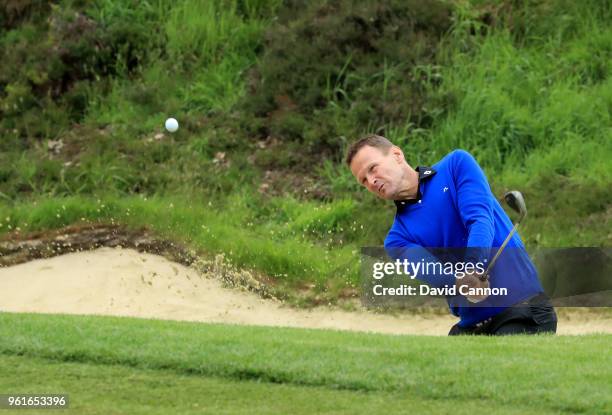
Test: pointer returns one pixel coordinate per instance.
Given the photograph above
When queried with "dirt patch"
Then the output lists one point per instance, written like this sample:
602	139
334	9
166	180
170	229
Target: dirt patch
17	248
124	282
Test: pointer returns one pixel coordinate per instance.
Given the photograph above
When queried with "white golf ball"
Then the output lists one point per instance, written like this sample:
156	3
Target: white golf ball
172	124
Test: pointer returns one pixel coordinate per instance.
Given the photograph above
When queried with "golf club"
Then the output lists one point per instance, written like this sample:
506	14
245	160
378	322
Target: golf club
515	200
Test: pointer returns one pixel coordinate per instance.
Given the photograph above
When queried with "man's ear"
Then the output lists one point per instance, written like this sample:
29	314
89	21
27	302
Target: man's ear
398	154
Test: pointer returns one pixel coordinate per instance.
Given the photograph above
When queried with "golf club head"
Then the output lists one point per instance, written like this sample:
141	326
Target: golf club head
515	200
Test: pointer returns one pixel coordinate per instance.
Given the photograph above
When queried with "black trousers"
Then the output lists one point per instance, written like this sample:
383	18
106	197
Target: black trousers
536	315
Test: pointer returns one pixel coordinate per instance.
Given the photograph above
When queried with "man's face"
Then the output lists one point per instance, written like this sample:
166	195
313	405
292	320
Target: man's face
382	174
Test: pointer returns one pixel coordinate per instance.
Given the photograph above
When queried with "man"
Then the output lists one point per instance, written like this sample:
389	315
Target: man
451	205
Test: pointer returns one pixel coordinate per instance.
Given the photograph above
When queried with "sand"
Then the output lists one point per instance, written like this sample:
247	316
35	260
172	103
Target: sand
124	282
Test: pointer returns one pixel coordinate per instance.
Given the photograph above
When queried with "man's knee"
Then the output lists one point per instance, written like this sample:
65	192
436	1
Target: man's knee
525	327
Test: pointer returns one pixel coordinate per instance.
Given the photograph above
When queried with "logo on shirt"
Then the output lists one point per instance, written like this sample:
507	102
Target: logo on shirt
445	189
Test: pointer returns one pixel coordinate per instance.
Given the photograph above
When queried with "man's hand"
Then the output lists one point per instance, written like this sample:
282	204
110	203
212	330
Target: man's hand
471	281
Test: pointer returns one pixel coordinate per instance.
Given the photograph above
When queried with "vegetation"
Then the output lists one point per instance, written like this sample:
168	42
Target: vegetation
269	94
523	374
151	391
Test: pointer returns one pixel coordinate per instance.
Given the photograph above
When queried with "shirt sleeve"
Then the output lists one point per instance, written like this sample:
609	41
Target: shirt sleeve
474	200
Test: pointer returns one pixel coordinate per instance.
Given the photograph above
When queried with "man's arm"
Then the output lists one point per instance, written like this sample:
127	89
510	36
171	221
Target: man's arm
475	205
474	202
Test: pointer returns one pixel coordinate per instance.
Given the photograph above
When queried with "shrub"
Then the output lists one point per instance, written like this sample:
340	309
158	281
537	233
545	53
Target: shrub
334	58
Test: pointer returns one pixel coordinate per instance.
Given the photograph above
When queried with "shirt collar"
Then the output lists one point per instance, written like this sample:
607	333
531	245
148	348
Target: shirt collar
425	172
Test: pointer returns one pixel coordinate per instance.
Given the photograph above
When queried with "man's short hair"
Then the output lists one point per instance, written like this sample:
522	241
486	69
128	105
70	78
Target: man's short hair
371	140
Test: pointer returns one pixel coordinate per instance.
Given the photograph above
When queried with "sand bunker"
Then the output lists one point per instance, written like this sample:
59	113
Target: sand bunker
124	282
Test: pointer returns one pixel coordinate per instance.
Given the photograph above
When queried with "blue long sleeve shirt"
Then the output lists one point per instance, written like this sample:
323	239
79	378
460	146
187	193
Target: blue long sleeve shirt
455	208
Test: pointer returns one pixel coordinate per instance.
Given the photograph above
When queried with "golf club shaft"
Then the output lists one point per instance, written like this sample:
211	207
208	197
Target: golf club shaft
485	276
516	201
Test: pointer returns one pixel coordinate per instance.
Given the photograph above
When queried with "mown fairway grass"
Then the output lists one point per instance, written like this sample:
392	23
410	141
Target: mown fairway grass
258	369
103	389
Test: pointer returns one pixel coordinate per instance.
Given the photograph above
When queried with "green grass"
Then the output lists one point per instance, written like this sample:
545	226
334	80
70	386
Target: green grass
283	88
196	66
150	391
284	244
537	373
529	94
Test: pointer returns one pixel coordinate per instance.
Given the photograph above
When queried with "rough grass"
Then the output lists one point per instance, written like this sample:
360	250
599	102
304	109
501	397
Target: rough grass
283	243
270	94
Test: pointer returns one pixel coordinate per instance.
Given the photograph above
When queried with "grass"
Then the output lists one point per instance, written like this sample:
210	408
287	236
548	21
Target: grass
541	373
268	89
284	248
150	391
195	66
529	94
